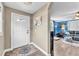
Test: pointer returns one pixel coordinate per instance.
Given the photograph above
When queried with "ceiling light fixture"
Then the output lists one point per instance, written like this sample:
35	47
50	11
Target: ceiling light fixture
77	15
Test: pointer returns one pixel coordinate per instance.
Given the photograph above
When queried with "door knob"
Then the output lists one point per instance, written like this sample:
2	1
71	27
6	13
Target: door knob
27	31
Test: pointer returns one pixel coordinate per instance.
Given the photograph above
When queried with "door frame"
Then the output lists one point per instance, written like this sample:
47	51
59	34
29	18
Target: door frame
11	31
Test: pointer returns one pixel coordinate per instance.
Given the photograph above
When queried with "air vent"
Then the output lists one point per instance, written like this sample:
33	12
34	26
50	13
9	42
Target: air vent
27	3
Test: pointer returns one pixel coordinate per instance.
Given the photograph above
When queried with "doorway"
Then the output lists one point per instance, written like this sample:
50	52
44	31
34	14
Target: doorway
20	30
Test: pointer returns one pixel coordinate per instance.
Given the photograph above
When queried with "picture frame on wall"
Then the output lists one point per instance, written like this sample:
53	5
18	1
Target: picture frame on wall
38	21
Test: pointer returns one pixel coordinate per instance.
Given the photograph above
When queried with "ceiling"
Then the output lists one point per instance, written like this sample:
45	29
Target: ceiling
25	6
60	10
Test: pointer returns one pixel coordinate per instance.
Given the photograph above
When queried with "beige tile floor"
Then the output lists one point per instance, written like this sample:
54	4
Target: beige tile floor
63	49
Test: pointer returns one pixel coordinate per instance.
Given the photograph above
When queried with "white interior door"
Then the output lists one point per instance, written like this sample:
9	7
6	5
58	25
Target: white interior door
20	30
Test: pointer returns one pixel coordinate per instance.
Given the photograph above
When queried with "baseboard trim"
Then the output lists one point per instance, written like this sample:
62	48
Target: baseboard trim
40	49
6	51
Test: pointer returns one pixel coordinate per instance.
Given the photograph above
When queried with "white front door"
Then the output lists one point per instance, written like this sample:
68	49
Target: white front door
20	30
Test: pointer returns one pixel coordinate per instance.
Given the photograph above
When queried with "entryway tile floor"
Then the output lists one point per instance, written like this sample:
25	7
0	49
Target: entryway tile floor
27	50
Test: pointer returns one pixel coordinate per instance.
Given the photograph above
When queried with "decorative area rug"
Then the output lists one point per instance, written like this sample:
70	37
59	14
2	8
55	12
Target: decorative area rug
27	50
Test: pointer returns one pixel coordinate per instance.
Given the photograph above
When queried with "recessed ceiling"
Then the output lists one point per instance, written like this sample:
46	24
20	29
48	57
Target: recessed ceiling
25	6
64	9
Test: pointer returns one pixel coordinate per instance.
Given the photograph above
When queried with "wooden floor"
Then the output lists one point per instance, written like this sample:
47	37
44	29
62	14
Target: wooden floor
27	50
1	53
63	49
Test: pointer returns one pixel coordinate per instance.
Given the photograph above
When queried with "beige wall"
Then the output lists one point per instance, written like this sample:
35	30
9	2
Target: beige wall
40	33
1	33
7	25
